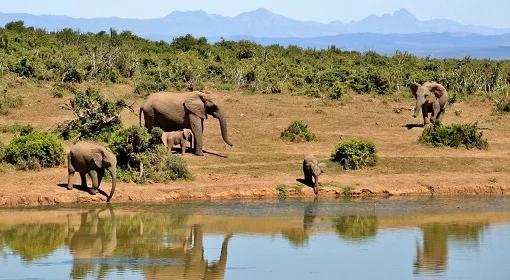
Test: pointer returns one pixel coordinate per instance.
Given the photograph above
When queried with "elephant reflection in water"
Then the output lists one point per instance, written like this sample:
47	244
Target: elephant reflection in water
195	266
299	237
95	238
433	255
107	242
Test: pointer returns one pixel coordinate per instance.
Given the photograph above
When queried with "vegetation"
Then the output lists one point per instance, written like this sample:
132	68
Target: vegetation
96	117
189	63
297	131
283	192
455	135
140	158
356	228
19	129
35	150
355	154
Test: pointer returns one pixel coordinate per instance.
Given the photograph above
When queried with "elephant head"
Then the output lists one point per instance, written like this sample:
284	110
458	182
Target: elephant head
427	94
202	105
105	159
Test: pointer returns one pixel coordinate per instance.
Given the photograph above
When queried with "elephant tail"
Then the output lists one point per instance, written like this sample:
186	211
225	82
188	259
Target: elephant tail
140	116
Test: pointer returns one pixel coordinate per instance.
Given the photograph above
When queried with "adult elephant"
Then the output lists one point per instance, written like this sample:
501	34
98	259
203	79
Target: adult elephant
172	112
432	98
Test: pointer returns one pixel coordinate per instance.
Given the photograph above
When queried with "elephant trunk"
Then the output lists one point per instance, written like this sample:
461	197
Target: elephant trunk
223	127
113	173
419	104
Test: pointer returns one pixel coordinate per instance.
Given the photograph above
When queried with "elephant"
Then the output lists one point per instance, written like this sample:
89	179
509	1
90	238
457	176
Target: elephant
312	169
172	112
180	137
431	97
92	159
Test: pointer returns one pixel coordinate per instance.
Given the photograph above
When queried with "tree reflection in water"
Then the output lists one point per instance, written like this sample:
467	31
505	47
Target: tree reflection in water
432	256
356	228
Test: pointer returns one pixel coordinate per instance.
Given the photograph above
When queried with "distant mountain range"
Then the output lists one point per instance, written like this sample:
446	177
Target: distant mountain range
400	30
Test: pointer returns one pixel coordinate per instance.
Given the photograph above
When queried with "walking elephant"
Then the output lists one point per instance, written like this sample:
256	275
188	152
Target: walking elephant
92	159
431	97
312	169
181	137
172	112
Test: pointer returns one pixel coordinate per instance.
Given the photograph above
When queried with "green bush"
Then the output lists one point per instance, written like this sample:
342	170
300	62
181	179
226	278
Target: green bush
18	129
455	135
96	117
355	154
502	104
337	90
162	167
129	145
34	150
297	131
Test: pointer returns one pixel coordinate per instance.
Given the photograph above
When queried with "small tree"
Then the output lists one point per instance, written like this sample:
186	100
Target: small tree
96	117
35	150
355	154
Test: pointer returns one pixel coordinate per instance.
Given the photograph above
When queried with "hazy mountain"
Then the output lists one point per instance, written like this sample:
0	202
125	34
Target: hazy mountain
439	45
257	23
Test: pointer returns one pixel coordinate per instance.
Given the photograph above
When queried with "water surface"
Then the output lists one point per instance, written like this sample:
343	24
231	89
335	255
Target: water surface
424	238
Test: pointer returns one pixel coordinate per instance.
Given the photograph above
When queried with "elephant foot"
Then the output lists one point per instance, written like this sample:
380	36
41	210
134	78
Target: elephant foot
93	191
199	153
69	187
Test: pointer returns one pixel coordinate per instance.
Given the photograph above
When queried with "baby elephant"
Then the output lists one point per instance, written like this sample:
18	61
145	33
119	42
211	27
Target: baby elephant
180	137
312	169
92	159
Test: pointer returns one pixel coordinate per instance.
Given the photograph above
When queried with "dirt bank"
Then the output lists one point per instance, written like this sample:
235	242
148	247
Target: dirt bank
260	163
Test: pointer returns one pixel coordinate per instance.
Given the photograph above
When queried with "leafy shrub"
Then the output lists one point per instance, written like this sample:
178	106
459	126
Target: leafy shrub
455	135
297	131
129	144
96	117
502	104
355	154
9	102
162	167
34	150
337	90
23	68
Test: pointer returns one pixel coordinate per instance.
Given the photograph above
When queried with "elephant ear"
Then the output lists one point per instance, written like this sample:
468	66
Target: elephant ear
195	105
438	90
322	167
414	89
97	158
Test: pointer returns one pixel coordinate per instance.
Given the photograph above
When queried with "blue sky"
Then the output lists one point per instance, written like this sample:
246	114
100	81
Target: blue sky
480	12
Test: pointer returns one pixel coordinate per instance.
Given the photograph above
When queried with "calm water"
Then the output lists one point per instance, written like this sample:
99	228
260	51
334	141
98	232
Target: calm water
443	238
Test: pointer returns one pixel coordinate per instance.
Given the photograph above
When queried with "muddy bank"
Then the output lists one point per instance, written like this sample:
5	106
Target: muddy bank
47	187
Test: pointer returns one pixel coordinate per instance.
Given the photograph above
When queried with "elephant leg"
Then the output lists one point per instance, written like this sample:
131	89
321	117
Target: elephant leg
83	180
315	185
94	177
440	116
100	175
197	128
308	177
436	111
70	174
426	118
183	146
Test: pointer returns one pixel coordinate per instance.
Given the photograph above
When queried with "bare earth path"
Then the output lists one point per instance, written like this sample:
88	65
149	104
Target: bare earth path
260	161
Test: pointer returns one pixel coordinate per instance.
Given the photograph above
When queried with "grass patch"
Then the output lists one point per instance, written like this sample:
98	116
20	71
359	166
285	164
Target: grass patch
355	154
297	132
283	192
19	129
455	135
9	102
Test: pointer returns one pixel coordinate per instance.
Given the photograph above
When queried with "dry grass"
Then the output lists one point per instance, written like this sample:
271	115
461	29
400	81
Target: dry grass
255	123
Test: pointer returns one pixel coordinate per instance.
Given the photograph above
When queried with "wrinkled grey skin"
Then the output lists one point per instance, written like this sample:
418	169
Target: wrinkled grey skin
431	98
172	112
312	169
92	159
180	137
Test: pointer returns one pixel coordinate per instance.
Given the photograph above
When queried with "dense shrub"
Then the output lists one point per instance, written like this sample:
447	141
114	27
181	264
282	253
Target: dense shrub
34	150
455	135
68	56
297	131
18	129
129	145
355	154
162	167
502	104
96	117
